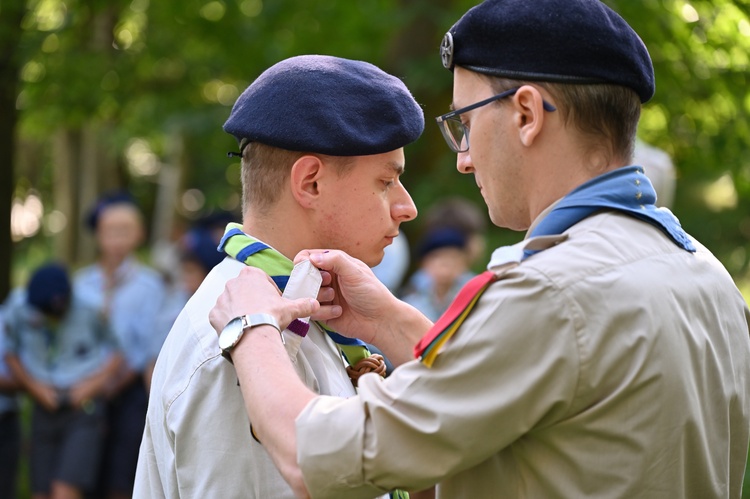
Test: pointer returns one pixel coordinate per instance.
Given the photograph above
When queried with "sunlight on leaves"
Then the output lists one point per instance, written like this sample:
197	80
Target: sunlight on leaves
49	15
213	11
653	118
689	14
141	159
33	72
720	194
129	32
193	200
139	5
50	44
251	8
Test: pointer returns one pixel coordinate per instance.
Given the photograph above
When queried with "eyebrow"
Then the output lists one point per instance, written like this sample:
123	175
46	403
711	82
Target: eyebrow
397	167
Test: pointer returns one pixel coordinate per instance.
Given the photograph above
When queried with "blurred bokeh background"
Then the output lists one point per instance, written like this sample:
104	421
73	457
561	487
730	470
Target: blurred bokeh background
97	95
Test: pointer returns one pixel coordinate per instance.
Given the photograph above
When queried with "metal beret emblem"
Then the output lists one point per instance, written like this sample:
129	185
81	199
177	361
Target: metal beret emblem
446	50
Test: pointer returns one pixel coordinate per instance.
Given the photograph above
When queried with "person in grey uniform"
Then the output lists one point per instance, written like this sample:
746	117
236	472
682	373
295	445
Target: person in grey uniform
606	355
321	142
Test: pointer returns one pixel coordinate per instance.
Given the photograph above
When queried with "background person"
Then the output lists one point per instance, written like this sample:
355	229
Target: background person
129	294
443	270
459	213
63	354
10	423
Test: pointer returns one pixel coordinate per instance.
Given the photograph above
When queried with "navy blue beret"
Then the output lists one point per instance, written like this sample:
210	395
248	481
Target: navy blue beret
49	289
105	201
200	246
563	41
328	105
443	237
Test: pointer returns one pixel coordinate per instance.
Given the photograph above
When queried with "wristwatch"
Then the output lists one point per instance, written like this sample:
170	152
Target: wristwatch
233	331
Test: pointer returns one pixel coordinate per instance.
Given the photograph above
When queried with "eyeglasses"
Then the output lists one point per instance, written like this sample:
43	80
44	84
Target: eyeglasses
456	134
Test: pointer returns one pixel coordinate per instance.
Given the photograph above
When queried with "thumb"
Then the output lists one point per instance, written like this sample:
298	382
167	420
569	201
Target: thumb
335	261
303	307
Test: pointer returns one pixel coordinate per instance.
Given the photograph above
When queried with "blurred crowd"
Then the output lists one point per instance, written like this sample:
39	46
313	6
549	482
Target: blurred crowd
82	345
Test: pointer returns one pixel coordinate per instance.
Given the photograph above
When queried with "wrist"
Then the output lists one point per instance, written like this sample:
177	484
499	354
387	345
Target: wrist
235	330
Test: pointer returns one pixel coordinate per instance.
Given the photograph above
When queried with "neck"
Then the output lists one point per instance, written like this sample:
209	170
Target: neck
110	264
559	173
285	230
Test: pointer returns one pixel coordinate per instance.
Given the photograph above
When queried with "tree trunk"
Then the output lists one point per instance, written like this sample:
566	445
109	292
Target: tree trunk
10	35
66	151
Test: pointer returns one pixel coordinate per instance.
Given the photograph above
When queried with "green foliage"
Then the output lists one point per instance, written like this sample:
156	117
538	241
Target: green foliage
700	113
156	70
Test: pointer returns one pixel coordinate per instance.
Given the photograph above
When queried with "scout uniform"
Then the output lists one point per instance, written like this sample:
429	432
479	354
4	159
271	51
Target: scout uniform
198	440
610	358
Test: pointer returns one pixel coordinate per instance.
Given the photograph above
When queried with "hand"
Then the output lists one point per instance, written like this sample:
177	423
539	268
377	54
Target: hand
82	392
45	395
359	303
253	291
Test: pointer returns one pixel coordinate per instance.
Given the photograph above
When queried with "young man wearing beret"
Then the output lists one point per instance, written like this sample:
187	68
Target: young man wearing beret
609	354
321	141
65	356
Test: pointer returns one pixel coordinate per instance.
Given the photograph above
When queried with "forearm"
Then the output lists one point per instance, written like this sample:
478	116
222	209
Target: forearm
25	381
404	328
43	394
99	383
9	384
121	378
274	397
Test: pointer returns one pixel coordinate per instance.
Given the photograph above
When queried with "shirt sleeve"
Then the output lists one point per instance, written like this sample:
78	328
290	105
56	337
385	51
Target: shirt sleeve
512	366
141	320
9	323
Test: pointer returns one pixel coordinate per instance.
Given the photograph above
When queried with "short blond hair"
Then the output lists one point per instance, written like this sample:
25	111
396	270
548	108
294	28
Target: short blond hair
265	169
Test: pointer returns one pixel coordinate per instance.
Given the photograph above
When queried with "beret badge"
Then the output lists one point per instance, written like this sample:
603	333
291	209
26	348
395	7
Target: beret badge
446	51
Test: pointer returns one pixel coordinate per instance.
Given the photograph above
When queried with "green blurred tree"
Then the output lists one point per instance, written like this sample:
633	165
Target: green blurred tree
132	94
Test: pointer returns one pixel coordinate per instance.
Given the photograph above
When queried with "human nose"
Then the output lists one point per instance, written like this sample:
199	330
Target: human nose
403	208
463	162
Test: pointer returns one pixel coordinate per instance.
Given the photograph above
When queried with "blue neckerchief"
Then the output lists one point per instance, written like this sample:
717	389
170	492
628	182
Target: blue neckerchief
627	190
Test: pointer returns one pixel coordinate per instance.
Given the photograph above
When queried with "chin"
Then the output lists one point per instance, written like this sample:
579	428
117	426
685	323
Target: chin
371	260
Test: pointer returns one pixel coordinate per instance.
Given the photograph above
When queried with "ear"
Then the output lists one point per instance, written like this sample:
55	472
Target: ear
529	115
305	175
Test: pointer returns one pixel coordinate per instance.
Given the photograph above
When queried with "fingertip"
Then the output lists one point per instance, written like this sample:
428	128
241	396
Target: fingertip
302	255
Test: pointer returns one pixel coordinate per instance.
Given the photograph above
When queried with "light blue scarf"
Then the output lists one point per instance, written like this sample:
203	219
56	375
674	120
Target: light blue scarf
627	190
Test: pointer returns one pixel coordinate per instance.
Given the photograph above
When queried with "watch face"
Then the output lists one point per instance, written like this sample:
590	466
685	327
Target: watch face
230	334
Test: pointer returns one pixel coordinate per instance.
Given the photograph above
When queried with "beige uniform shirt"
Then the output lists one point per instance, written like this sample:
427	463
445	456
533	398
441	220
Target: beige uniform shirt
614	365
197	441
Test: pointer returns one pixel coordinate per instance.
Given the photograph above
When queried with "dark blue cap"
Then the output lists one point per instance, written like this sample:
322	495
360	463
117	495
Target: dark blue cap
443	237
328	105
105	201
49	289
199	245
562	41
